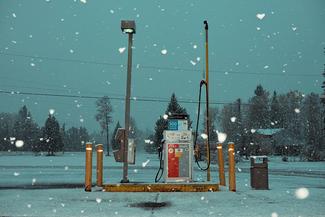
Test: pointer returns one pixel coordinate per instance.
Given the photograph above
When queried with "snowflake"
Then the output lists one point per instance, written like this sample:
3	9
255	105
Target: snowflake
164	51
260	16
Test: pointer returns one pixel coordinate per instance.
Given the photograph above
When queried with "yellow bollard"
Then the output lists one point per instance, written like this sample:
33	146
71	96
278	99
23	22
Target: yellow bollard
221	165
89	153
231	159
99	170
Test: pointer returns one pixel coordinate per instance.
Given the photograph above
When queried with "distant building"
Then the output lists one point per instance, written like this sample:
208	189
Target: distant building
264	141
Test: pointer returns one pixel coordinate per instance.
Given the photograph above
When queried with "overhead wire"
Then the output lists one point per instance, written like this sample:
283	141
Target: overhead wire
140	99
93	62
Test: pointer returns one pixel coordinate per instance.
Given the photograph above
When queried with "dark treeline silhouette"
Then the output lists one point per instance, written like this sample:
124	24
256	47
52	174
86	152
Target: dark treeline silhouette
19	132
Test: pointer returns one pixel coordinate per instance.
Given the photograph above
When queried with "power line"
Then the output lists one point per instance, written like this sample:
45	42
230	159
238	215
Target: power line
150	67
157	100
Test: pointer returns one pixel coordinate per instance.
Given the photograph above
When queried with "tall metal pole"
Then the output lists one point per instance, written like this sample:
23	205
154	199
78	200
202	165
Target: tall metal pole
207	96
127	111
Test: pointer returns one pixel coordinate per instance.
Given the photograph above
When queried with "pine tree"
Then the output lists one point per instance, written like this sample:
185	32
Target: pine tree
25	129
103	116
290	119
7	121
52	136
313	127
162	124
259	109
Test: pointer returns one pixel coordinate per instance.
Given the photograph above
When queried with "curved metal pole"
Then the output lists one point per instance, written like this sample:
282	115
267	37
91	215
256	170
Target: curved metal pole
207	95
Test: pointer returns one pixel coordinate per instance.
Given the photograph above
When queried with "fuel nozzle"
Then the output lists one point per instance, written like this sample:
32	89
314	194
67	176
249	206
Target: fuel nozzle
206	24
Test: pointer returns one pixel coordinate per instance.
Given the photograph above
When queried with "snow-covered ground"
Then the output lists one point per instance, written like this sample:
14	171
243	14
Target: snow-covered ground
53	186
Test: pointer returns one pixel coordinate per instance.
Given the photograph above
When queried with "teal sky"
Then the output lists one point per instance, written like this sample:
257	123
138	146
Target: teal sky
77	45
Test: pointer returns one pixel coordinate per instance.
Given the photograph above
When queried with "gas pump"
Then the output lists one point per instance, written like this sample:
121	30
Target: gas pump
176	151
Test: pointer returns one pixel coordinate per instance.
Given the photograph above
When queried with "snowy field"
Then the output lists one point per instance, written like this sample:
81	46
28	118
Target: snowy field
53	186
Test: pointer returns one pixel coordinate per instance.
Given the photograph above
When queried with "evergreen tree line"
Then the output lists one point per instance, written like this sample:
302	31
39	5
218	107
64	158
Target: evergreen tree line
50	138
287	124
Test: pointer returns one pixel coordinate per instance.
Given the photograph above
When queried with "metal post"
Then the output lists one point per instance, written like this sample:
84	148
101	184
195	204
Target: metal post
88	172
221	165
99	171
127	111
231	159
207	96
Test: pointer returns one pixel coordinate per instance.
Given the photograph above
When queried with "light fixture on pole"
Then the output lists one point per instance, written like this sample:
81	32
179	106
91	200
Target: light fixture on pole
128	27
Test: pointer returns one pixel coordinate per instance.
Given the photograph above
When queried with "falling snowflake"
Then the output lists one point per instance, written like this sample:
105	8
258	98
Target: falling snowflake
71	51
16	174
297	110
165	116
82	120
193	63
111	11
221	137
274	214
266	67
204	136
51	111
195	46
83	1
121	49
260	16
258	28
135	171
164	51
150	79
19	143
98	200
301	193
32	64
66	168
294	28
14	15
198	59
202	198
233	119
33	181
